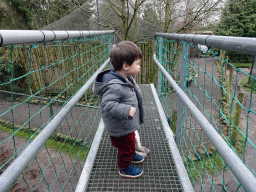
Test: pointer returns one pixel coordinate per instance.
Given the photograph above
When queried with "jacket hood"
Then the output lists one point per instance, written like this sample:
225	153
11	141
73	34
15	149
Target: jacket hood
107	78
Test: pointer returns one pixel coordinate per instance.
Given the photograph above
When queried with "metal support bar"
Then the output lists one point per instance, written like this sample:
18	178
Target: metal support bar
236	165
12	37
19	164
85	175
237	44
186	184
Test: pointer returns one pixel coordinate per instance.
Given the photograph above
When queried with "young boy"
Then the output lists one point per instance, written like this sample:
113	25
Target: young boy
121	104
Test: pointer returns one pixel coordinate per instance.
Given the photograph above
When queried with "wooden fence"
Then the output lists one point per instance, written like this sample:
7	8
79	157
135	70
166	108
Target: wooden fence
148	72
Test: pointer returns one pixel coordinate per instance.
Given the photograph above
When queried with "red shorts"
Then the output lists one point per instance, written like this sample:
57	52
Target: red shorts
126	149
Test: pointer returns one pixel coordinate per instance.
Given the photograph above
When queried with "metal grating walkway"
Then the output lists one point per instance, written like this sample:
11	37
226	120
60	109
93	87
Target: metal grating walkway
159	171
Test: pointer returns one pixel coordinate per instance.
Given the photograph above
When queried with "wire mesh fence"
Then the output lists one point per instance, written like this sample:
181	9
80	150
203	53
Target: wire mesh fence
221	91
36	82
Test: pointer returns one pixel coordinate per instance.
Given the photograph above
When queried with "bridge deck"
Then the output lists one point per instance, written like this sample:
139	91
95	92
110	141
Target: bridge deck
160	173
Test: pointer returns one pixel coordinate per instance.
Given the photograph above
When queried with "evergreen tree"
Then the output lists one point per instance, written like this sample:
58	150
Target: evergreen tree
238	19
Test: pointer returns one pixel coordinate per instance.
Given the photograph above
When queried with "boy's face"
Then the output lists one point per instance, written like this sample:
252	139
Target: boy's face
134	69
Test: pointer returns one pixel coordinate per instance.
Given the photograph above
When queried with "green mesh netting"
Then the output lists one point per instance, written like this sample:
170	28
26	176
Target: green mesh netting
222	93
36	81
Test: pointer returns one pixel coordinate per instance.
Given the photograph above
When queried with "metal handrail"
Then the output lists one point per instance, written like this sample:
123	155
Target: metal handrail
13	171
237	44
245	177
185	182
13	37
85	175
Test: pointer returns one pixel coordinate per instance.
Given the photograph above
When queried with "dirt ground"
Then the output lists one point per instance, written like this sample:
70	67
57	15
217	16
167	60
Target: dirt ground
48	163
60	171
247	122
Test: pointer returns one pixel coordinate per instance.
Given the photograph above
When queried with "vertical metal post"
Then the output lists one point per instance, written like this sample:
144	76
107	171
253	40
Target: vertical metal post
160	58
181	85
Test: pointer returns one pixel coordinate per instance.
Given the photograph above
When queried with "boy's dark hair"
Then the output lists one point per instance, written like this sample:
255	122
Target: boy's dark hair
124	52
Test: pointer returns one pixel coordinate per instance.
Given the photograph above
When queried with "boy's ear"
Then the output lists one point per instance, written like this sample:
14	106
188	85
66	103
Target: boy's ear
125	66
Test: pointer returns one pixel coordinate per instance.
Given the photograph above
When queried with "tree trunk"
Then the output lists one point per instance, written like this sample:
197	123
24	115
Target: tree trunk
135	39
124	20
167	16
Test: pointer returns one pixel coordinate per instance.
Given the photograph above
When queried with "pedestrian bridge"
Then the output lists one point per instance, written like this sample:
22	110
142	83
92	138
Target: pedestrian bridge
199	120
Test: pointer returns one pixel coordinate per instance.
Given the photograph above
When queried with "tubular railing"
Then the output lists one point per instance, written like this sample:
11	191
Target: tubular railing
49	116
200	95
57	68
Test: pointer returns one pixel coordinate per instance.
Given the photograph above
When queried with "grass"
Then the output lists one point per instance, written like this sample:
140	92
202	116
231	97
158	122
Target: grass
242	65
204	165
70	148
211	164
21	134
245	85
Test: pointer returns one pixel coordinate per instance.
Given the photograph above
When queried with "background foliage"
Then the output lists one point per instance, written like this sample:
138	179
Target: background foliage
238	19
34	14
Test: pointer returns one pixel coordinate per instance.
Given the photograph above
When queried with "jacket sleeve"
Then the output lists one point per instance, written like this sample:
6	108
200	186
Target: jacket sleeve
111	103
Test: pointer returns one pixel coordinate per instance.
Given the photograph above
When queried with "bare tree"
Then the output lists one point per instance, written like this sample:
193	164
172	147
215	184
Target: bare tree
125	10
124	14
183	15
196	12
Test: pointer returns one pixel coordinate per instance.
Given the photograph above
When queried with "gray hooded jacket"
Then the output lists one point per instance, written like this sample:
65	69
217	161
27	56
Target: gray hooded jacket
116	97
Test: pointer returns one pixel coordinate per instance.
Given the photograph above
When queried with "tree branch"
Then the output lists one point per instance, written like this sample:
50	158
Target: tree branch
198	15
137	5
115	10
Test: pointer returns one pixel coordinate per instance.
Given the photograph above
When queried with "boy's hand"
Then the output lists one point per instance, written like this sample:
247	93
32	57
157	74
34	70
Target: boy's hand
132	112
